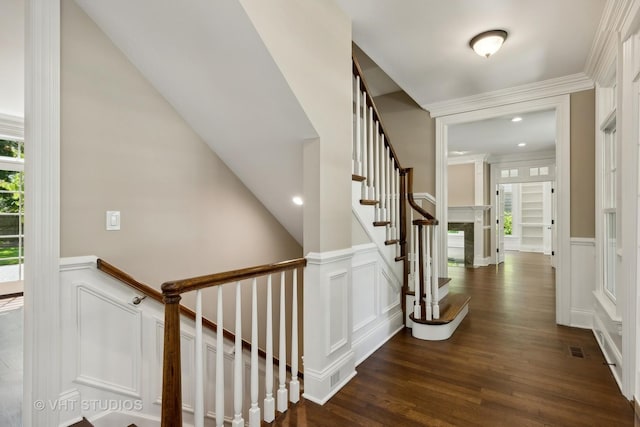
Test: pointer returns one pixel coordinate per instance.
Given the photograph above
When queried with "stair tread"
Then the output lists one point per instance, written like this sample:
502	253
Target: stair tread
391	242
450	306
441	282
381	223
368	202
358	178
401	258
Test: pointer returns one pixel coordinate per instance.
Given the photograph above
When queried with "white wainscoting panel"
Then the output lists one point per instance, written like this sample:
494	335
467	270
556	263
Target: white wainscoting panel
109	342
337	314
583	283
373	284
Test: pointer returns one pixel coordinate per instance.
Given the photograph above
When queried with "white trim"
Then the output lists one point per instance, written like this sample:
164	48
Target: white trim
78	263
562	106
425	196
318	258
583	241
613	17
522	157
528	92
42	321
11	127
324	375
617	356
460	160
381	328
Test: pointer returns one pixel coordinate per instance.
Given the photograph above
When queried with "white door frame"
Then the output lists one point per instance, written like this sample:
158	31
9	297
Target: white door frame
561	104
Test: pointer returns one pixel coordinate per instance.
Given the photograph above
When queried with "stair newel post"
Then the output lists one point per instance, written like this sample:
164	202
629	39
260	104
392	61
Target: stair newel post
294	384
282	353
171	368
428	278
425	274
238	421
434	272
269	402
220	361
254	411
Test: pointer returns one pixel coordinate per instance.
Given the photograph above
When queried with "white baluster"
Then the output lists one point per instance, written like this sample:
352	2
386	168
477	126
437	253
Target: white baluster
397	200
365	149
370	177
376	167
358	143
282	354
416	267
388	191
254	411
384	162
269	401
392	228
219	364
294	384
427	272
434	274
417	308
238	421
198	409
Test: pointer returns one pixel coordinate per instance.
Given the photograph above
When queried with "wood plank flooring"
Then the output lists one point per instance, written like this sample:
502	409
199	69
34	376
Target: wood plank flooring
508	364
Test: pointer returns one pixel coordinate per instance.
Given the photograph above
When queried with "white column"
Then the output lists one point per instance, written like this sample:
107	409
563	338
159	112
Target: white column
238	421
282	354
254	411
198	410
219	363
269	401
294	384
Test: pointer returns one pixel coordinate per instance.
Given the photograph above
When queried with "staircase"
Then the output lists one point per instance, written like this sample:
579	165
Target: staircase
383	202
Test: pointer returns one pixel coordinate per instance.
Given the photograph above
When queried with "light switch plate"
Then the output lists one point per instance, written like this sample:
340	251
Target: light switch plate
113	220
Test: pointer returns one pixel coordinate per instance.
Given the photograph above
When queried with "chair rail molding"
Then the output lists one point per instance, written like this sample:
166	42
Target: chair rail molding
42	198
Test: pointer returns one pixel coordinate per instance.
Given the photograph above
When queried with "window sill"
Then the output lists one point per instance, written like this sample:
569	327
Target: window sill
608	306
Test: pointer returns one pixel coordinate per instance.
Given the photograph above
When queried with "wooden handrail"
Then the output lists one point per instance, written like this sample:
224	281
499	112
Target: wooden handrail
416	207
177	287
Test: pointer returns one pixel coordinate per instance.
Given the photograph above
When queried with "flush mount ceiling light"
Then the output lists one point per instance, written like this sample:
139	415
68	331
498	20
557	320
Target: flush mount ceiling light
516	119
487	43
298	200
522	144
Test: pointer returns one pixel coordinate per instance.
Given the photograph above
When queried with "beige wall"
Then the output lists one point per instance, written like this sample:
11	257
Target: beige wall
583	164
461	184
311	43
412	133
123	147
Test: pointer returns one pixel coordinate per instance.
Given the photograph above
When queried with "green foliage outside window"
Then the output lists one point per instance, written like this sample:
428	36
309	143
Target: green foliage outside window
508	224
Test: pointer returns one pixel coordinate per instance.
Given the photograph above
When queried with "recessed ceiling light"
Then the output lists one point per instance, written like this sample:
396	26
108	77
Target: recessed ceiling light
522	144
516	119
298	200
458	153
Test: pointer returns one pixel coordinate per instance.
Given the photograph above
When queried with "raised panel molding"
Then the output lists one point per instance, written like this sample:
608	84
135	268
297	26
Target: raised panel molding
116	367
365	294
337	315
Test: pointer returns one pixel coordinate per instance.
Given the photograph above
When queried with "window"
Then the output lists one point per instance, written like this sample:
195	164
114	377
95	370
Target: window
11	210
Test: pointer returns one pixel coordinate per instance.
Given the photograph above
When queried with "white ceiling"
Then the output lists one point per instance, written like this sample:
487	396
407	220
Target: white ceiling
206	58
423	44
501	136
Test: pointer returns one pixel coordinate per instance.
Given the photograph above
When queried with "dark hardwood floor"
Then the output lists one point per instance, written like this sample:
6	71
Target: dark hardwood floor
508	364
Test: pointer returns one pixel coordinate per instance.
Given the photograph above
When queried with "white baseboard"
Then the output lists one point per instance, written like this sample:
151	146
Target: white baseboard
377	337
582	318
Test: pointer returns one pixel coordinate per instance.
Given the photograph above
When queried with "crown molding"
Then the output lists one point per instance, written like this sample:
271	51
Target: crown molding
544	89
615	14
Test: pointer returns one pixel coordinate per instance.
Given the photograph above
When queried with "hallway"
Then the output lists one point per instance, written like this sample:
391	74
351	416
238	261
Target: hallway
508	364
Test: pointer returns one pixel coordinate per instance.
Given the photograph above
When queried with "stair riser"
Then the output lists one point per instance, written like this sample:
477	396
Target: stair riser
439	332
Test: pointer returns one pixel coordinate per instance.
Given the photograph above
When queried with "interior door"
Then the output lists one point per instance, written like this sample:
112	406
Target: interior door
499	223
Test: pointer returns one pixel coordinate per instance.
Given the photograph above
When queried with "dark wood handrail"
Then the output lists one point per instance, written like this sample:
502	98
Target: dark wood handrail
416	207
177	287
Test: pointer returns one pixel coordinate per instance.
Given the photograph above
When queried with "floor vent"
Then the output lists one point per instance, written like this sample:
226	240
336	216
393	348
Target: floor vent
576	352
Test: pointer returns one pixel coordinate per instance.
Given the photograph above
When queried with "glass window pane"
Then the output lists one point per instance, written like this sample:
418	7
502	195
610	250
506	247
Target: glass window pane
10	225
10	149
533	171
513	172
544	170
504	173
